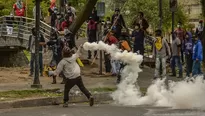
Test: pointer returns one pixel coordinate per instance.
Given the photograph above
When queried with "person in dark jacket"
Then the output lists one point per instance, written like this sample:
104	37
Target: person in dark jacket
197	57
118	22
56	45
138	37
92	37
188	50
142	21
53	15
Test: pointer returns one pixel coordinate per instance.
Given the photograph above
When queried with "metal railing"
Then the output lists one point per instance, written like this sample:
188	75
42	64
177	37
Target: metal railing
20	27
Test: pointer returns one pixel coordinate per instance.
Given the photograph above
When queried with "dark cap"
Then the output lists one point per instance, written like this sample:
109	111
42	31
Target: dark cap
117	9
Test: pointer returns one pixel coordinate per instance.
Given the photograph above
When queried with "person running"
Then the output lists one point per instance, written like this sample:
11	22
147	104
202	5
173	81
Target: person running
72	73
161	52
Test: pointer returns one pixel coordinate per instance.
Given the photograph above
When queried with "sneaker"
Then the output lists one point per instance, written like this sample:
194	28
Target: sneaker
65	104
91	101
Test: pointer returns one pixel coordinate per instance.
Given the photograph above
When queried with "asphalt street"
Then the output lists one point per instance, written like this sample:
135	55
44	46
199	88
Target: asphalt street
99	110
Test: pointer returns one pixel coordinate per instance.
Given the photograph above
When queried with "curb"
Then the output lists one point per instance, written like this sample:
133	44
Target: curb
99	97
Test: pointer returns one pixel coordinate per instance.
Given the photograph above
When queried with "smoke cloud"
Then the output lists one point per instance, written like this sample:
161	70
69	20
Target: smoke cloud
181	95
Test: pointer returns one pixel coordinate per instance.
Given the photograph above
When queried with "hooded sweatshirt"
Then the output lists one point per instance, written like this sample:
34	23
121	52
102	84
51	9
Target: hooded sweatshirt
69	66
188	45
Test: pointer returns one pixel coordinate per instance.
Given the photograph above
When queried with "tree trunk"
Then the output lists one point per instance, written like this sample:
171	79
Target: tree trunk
203	36
83	16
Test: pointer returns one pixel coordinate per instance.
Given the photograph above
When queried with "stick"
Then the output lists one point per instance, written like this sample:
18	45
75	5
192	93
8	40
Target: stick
115	21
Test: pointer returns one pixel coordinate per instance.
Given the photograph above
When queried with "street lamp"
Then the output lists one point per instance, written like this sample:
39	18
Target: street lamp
173	8
36	82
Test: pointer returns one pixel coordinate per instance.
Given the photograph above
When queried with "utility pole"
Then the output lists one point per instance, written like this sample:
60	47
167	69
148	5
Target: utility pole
160	14
173	8
100	13
36	82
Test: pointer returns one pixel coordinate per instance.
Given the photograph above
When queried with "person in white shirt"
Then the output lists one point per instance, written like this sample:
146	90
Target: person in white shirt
71	70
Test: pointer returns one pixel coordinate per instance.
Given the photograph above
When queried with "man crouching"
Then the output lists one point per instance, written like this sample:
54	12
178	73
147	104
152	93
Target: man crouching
71	70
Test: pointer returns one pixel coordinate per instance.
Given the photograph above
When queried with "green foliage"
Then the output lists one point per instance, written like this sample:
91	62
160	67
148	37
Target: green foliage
151	11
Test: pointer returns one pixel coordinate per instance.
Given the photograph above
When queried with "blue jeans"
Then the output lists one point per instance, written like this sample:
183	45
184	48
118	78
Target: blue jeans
33	61
176	62
196	69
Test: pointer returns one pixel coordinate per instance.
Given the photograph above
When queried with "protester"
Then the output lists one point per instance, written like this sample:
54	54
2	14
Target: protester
142	21
92	37
72	72
199	29
161	52
138	37
118	22
197	57
69	8
19	8
188	50
176	52
181	35
111	39
56	45
123	45
53	11
59	21
66	23
9	22
31	48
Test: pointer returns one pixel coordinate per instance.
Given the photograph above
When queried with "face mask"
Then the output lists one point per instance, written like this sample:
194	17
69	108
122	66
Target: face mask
178	26
136	27
58	17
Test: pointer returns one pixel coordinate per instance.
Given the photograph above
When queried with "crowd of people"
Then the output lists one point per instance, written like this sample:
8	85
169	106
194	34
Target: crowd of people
63	63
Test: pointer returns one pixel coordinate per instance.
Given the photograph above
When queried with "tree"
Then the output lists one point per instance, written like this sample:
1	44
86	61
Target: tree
151	11
83	16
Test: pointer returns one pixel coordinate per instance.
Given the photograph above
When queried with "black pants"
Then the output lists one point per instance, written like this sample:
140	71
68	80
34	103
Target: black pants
141	50
189	63
72	82
107	63
92	38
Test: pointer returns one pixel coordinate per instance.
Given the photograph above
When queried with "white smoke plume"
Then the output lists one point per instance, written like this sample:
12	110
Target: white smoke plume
182	95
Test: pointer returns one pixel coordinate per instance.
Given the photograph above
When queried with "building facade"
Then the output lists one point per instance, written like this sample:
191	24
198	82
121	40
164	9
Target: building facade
193	9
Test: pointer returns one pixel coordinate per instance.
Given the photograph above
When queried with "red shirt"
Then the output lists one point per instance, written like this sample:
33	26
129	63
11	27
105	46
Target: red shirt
19	11
112	40
64	24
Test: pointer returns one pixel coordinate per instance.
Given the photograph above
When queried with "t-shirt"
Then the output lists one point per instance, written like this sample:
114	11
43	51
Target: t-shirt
19	9
32	43
175	44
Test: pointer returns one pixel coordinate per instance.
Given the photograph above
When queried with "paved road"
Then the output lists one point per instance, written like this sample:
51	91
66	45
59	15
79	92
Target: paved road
99	110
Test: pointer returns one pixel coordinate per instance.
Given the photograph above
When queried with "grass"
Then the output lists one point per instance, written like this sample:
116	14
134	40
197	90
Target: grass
21	94
8	95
